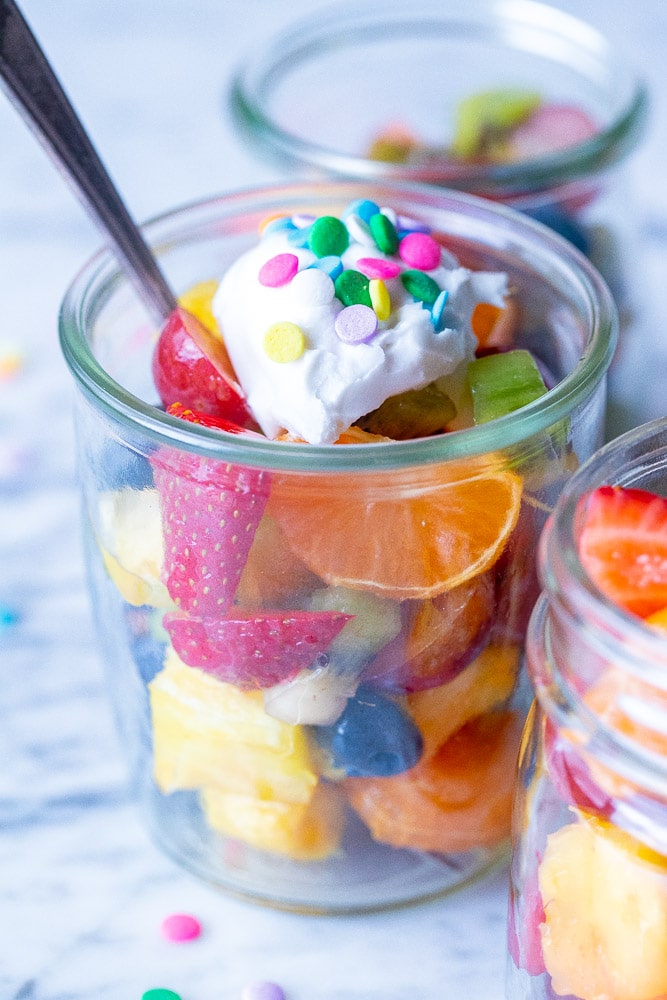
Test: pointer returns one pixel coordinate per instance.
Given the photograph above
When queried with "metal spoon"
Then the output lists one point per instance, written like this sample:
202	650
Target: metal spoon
33	87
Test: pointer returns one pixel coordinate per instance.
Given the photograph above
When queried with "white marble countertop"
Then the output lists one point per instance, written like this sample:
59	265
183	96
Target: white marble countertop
82	889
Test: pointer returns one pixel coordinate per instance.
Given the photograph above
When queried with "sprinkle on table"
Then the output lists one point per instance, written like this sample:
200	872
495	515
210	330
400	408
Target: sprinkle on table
180	927
159	993
262	990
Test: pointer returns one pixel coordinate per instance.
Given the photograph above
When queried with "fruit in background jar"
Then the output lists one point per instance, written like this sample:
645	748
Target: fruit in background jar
191	366
605	902
257	649
129	535
459	799
450	529
550	128
483	120
373	737
623	546
485	684
570	775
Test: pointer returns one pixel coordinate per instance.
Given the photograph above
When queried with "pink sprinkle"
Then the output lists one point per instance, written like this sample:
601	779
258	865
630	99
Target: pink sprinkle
278	270
262	990
355	324
377	267
419	250
180	927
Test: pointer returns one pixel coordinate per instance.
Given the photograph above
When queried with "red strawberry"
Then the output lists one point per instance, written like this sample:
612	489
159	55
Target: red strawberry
623	547
257	648
210	511
207	420
191	364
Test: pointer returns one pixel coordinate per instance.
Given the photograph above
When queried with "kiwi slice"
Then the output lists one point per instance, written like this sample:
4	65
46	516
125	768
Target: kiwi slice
504	382
412	414
485	118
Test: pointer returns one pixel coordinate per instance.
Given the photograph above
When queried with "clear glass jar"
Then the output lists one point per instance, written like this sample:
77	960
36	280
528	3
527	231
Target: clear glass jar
321	92
239	770
588	902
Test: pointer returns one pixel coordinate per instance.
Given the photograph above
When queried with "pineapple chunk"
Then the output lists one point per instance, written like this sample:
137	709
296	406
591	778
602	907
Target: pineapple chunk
485	684
209	733
130	540
303	831
605	900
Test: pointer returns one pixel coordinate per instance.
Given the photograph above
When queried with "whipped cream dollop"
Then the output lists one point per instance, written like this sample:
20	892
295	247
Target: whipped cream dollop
325	318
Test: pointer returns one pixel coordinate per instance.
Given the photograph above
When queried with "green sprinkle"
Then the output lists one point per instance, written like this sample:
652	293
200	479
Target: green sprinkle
352	288
421	286
160	994
384	232
328	237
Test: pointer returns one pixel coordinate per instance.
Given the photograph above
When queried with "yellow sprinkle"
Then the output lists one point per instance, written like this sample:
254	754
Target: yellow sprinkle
284	342
10	362
379	298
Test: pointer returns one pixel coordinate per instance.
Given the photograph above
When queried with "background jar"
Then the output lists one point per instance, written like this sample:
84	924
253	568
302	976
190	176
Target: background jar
223	783
318	95
588	906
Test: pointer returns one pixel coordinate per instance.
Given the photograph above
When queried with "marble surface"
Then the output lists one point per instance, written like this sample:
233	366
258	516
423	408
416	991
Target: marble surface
82	889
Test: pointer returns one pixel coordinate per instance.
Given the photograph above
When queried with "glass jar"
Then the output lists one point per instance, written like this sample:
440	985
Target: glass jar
588	901
372	91
372	767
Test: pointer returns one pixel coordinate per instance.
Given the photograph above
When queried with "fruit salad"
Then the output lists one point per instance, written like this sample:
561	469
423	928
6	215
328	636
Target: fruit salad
589	913
333	655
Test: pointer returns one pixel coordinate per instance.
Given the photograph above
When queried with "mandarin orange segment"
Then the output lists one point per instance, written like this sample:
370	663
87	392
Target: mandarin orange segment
485	684
459	799
398	534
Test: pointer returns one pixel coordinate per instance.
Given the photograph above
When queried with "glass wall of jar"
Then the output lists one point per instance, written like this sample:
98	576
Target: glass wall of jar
588	899
381	771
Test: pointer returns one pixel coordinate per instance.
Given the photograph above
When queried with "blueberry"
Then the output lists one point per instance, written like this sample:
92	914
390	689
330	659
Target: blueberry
374	737
117	466
564	225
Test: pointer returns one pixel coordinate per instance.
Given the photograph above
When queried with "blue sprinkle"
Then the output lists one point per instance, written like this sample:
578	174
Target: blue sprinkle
333	266
8	617
438	311
298	237
278	225
362	207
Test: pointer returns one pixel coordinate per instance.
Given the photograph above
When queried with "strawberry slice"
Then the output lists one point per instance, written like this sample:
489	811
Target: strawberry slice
191	364
210	511
623	547
208	420
549	129
258	648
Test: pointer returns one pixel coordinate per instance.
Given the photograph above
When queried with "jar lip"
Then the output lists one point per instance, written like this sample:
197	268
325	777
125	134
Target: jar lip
519	23
101	275
622	461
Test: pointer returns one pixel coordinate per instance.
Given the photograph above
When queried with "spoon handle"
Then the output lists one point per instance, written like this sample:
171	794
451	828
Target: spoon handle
35	90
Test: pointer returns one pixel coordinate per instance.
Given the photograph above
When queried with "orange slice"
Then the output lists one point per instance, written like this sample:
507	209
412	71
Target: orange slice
399	533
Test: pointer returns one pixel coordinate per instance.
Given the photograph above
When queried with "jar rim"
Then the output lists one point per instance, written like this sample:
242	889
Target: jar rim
519	23
101	275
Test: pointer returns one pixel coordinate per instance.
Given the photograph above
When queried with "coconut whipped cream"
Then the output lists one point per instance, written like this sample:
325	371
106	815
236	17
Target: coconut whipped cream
327	318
